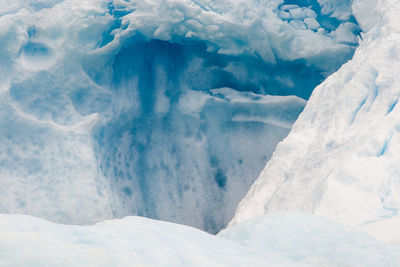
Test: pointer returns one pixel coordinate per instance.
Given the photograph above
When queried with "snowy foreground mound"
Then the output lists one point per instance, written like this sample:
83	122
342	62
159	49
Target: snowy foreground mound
341	159
276	240
167	109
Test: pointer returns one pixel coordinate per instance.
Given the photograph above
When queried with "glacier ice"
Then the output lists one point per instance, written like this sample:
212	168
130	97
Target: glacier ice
165	109
341	158
132	241
280	239
170	109
313	240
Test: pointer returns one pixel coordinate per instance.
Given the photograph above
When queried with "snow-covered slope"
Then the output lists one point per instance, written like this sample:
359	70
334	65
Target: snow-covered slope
281	239
159	108
170	108
130	242
341	157
312	239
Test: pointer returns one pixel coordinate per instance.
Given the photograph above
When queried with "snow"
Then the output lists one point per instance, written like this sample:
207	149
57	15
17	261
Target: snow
170	109
313	240
239	27
279	239
339	160
165	109
132	241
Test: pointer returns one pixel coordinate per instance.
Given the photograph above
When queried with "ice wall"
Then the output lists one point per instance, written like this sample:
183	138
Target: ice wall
341	158
165	109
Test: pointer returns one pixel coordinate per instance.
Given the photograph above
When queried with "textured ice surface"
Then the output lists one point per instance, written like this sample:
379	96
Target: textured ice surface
313	240
131	242
281	239
341	158
166	109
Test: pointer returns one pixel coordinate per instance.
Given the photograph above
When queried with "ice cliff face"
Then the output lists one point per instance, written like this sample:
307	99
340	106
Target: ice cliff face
166	109
341	158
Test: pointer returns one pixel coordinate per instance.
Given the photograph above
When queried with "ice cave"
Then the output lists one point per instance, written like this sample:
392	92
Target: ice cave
268	125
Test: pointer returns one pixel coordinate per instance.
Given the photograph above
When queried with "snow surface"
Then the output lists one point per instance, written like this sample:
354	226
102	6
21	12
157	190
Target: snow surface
170	108
132	241
281	239
313	240
154	108
341	157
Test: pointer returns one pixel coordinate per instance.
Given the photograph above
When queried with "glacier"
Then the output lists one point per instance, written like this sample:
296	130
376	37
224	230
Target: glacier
164	109
340	159
280	239
312	240
132	241
170	109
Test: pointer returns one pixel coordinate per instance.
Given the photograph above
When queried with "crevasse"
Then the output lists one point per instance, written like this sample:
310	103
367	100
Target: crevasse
340	159
165	109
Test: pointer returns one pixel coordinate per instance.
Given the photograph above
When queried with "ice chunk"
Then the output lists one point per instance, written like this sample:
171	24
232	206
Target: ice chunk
339	160
222	25
311	23
337	9
280	239
302	13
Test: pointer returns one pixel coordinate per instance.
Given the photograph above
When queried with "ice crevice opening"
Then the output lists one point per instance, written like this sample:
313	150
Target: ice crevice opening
164	109
346	160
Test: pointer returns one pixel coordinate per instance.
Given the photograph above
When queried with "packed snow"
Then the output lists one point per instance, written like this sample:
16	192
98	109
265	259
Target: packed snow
341	157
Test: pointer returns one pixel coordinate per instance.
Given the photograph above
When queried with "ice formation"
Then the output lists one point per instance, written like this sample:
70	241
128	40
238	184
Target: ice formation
281	239
312	240
132	241
170	109
165	109
341	157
